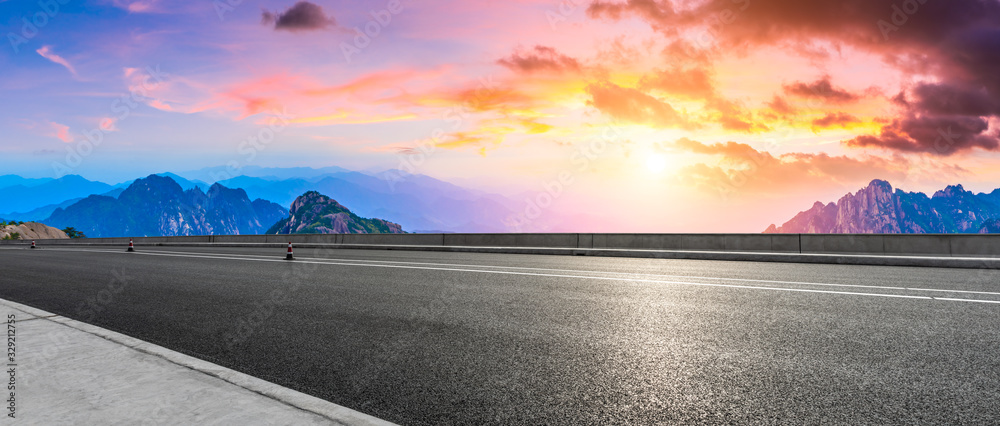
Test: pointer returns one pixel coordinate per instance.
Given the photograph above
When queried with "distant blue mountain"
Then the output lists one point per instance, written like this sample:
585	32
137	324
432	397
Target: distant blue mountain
416	202
11	180
43	212
221	173
158	206
27	196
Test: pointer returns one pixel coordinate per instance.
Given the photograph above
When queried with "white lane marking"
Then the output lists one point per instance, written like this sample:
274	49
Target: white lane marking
334	263
876	287
967	300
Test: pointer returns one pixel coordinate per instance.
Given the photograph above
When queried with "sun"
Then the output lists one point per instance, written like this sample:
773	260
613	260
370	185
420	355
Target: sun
656	163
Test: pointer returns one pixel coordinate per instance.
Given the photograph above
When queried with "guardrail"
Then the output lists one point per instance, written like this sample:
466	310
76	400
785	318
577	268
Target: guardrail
957	245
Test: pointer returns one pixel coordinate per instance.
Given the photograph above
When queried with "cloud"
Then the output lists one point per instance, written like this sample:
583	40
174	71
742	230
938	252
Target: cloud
834	119
821	89
695	83
781	106
138	6
658	13
743	169
937	135
948	51
634	106
732	116
948	99
482	137
46	52
541	58
60	131
770	22
303	16
108	124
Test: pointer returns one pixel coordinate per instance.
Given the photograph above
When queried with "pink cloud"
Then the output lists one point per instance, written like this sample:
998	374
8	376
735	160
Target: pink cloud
46	52
108	124
138	6
60	131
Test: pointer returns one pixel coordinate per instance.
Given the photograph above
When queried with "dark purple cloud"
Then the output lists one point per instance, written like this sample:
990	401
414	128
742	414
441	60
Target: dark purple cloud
821	89
303	16
957	42
937	135
950	99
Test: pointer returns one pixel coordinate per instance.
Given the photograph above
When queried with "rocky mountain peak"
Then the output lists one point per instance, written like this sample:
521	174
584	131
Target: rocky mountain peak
877	209
315	213
152	187
158	206
950	191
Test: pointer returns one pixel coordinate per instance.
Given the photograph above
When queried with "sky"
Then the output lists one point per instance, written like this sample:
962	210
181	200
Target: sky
630	116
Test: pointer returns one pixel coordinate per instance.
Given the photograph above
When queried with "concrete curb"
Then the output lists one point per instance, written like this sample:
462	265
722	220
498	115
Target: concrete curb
746	256
335	413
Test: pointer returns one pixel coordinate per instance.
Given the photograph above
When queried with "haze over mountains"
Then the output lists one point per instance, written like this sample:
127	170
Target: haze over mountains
416	202
879	209
254	201
22	195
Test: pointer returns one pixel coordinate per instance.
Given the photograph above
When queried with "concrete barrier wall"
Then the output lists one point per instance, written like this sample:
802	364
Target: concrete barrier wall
818	243
939	245
971	245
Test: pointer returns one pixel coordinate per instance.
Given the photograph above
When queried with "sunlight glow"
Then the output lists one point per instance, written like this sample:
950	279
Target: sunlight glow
656	163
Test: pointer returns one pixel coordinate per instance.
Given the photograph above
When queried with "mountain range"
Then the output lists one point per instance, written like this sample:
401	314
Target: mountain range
879	209
315	213
417	202
159	206
22	195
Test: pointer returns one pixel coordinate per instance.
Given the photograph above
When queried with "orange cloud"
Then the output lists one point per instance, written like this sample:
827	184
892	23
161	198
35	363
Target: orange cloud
835	119
742	169
346	117
694	83
636	107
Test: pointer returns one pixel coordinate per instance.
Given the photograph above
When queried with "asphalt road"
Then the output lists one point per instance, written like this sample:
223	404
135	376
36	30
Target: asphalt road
463	338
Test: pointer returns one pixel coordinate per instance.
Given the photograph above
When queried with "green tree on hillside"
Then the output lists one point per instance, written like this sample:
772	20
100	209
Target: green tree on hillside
73	233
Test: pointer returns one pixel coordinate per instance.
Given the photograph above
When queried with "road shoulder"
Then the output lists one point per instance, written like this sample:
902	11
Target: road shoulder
70	372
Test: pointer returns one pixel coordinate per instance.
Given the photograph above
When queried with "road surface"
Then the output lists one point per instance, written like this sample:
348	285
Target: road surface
465	338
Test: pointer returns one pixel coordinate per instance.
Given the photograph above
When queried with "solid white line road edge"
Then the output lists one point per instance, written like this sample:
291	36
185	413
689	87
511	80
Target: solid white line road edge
624	275
487	271
578	271
333	412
